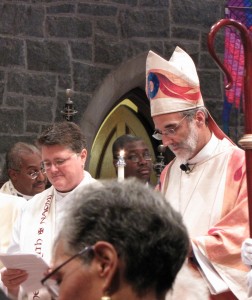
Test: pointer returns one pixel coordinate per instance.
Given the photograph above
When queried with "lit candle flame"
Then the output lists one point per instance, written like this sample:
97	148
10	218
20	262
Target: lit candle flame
121	153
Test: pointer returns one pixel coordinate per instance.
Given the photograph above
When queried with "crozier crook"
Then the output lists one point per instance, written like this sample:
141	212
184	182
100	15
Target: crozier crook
246	141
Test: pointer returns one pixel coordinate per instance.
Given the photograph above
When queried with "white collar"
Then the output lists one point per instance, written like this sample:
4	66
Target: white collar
205	152
15	192
87	178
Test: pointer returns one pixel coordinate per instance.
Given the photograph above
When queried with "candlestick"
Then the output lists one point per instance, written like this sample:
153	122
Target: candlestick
120	166
69	110
159	165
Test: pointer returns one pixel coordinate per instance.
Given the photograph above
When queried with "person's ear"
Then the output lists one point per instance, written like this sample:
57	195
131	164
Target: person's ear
200	118
83	156
108	262
12	175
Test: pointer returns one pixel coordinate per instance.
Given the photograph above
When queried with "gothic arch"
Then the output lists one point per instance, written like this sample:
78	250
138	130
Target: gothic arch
127	77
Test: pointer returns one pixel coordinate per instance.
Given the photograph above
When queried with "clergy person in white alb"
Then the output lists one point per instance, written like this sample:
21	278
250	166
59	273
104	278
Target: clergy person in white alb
206	181
9	208
64	153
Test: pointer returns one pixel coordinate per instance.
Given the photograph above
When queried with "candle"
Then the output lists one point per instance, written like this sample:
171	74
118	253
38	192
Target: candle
120	166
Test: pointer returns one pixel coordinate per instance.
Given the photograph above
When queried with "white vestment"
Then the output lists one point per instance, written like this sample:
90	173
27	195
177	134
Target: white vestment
38	224
212	198
8	188
9	208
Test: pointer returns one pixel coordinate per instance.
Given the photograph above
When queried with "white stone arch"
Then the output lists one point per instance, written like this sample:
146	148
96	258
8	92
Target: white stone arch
127	76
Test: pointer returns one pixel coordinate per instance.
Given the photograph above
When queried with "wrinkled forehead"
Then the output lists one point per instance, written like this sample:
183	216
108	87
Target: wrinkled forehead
164	120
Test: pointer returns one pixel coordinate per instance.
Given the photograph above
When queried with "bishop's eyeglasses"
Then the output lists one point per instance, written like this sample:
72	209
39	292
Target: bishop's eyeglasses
168	131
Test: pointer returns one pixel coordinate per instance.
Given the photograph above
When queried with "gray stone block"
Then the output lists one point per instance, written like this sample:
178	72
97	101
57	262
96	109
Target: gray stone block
207	62
68	27
144	23
15	101
1	92
12	121
12	52
39	110
185	33
49	56
87	77
64	81
156	46
136	47
60	9
210	84
21	20
32	127
95	9
127	2
107	27
81	50
32	84
219	41
1	75
109	53
195	13
155	3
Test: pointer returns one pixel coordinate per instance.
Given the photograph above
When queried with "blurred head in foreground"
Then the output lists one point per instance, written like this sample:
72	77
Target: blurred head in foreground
119	241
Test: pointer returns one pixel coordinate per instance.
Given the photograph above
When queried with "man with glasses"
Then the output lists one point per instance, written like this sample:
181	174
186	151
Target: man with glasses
137	157
63	149
23	168
206	181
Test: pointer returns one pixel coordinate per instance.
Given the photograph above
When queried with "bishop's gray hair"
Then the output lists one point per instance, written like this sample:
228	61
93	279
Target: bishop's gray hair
191	113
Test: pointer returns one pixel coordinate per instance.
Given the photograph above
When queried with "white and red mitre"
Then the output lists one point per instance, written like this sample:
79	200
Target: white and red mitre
173	86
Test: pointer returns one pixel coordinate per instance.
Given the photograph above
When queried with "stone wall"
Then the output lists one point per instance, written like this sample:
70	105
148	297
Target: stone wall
47	46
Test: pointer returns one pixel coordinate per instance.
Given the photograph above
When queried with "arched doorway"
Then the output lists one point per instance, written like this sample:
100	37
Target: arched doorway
116	86
131	114
127	80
